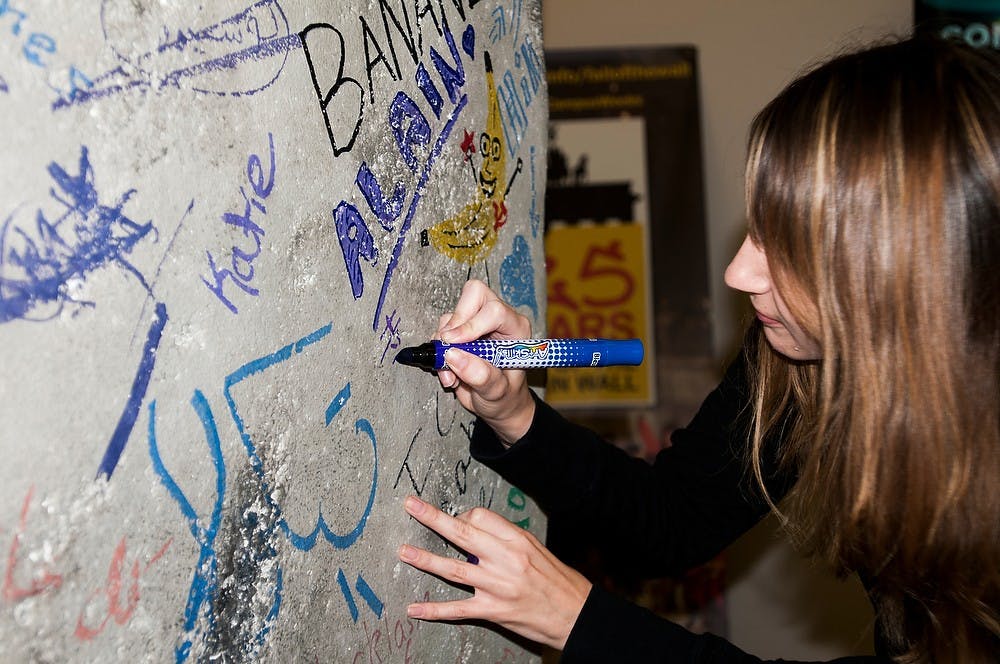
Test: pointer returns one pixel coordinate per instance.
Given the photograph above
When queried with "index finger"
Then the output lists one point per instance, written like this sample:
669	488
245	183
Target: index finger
480	312
462	534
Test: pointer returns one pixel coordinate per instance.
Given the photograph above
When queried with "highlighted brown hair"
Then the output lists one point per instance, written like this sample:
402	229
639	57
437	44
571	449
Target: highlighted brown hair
873	186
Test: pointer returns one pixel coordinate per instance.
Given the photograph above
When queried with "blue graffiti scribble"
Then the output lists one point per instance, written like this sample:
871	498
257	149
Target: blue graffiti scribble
86	236
374	603
366	592
517	276
147	361
138	392
338	402
390	335
469	42
201	596
425	174
146	71
345	589
518	90
244	25
536	219
501	26
204	589
305	542
40	50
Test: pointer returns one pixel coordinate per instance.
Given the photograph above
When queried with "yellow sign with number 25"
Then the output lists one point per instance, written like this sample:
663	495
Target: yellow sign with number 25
598	286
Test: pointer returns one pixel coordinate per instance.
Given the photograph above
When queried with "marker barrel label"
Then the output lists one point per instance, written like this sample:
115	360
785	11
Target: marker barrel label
542	353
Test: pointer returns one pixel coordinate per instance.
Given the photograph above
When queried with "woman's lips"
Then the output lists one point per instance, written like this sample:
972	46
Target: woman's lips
768	321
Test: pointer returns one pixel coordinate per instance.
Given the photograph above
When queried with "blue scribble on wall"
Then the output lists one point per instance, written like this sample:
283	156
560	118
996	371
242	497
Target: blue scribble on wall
123	430
40	49
205	610
414	139
303	541
517	276
36	269
501	27
517	90
254	41
366	592
204	591
533	215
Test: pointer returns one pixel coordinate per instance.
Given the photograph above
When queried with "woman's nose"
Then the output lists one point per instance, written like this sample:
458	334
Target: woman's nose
748	271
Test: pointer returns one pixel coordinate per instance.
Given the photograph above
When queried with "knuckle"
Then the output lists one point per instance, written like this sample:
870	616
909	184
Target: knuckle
522	562
478	515
458	612
532	540
478	374
463	530
524	323
495	390
473	286
460	572
496	308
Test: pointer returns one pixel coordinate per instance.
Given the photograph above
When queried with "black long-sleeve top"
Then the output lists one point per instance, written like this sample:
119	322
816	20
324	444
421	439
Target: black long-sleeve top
660	519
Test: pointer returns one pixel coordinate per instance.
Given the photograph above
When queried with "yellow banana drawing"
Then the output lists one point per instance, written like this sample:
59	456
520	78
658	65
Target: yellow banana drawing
469	236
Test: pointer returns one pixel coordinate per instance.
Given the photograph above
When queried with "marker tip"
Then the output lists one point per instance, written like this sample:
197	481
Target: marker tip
405	356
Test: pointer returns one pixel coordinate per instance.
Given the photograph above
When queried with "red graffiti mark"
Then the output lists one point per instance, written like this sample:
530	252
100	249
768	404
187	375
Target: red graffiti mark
113	592
499	214
463	644
468	144
396	644
43	581
508	655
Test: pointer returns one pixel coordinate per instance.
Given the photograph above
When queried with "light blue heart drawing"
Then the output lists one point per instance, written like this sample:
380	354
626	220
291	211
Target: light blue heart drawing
517	277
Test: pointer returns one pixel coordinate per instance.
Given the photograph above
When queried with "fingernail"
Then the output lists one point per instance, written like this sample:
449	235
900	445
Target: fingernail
448	379
472	558
447	334
407	552
415	611
455	359
413	506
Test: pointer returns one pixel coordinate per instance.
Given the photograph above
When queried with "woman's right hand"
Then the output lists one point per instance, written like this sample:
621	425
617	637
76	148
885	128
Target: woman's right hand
500	397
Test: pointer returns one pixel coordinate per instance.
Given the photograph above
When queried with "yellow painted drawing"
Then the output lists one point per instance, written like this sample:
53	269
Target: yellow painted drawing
470	235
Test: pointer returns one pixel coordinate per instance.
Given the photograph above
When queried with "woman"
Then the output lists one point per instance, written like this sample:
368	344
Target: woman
863	408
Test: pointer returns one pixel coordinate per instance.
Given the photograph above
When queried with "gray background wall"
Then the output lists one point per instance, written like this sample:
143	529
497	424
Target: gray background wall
779	605
210	250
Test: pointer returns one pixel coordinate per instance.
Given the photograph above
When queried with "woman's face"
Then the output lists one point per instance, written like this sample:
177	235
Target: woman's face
748	272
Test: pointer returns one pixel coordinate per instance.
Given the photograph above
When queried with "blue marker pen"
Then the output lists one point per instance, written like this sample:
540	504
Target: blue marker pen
530	353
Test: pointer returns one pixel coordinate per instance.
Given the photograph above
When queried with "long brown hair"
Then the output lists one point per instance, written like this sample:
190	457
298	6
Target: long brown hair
873	186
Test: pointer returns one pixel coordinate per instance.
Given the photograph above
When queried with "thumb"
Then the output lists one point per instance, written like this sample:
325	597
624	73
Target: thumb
472	370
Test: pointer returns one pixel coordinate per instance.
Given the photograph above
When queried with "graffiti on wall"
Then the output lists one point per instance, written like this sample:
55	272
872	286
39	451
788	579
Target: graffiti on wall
102	239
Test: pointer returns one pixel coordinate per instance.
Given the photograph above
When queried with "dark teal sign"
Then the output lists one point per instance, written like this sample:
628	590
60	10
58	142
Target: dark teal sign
976	22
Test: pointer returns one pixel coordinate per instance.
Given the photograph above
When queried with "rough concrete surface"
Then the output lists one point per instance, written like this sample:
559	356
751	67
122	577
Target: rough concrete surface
218	222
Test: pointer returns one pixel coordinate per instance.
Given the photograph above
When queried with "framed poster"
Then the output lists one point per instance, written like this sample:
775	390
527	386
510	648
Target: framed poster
626	256
625	170
598	269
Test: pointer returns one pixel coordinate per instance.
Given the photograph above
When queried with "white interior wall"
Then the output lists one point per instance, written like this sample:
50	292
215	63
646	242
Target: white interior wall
779	605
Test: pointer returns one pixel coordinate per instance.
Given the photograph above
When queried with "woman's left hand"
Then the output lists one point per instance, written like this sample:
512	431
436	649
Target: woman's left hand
517	582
